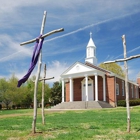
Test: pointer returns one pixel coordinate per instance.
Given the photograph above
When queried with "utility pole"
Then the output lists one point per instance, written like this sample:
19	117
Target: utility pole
39	66
126	79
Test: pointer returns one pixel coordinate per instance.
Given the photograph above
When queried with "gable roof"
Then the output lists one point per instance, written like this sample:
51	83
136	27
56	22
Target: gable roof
77	68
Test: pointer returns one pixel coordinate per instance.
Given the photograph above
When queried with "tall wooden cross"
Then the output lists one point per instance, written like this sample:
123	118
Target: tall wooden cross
126	78
39	66
43	92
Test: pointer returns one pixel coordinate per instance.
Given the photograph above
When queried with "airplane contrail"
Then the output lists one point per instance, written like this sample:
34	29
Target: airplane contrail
128	52
85	27
75	31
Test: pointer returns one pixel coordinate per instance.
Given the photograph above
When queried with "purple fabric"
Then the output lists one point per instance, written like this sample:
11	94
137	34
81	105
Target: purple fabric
35	57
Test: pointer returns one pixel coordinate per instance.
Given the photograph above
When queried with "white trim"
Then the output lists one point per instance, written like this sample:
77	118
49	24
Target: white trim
104	89
63	89
96	87
86	85
71	89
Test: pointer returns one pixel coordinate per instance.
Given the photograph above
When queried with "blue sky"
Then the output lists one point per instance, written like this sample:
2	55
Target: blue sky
21	20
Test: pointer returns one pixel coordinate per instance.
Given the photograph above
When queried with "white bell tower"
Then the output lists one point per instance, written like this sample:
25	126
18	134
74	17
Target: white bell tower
91	52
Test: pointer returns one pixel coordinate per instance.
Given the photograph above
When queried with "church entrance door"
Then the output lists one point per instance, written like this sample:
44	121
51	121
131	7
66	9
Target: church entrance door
90	90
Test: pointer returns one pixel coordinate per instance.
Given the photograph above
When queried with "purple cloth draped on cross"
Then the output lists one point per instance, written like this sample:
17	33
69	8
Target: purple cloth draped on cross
35	57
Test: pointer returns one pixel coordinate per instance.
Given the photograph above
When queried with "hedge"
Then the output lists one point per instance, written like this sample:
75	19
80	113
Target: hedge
131	102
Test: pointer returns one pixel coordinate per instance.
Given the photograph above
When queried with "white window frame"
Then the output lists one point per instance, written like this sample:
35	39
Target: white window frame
122	88
117	89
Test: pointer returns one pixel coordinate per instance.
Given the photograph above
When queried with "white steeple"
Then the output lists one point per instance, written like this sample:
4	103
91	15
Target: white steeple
91	52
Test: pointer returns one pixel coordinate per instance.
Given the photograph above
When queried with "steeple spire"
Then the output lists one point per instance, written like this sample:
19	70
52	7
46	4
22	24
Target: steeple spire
90	34
91	52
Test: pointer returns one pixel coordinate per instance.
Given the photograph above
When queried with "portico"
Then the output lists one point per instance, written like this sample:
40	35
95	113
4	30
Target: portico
83	86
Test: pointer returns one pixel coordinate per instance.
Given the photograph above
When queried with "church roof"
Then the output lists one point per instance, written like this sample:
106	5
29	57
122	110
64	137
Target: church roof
98	68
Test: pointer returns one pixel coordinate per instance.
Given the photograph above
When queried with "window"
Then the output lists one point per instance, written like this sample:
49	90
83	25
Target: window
122	88
88	52
136	92
117	89
88	85
132	91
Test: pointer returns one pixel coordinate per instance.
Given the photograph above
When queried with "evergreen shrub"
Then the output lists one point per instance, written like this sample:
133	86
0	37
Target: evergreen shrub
131	102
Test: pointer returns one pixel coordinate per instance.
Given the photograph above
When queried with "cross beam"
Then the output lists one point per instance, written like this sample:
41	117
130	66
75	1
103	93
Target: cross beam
43	36
122	60
126	78
46	79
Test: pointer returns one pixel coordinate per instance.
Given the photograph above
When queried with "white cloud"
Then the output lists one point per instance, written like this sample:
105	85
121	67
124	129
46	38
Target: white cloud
11	49
55	69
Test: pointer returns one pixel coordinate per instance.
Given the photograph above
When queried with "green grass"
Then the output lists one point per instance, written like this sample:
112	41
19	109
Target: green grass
71	125
18	111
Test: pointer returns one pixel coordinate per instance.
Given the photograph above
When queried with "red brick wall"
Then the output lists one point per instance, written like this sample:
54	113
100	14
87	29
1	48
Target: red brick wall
93	78
130	85
110	90
130	91
100	88
77	89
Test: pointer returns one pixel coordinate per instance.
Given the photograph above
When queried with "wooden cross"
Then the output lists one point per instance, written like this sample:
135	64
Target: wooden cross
39	66
126	79
43	91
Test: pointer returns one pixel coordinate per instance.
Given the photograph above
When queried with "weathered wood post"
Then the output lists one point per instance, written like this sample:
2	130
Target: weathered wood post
37	78
126	84
43	92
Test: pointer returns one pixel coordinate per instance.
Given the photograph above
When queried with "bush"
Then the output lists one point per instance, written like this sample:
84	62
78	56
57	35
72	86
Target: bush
121	103
131	102
0	106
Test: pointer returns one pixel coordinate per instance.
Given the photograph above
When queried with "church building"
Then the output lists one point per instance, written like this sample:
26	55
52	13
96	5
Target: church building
88	82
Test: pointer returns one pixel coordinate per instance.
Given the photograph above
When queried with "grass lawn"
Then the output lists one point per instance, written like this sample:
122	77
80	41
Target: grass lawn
96	124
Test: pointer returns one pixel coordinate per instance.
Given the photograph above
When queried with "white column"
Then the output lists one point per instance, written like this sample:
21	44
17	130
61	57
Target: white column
63	89
104	89
86	87
96	87
71	90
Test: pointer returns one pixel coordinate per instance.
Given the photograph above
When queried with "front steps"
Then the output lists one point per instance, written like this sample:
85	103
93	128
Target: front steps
82	105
